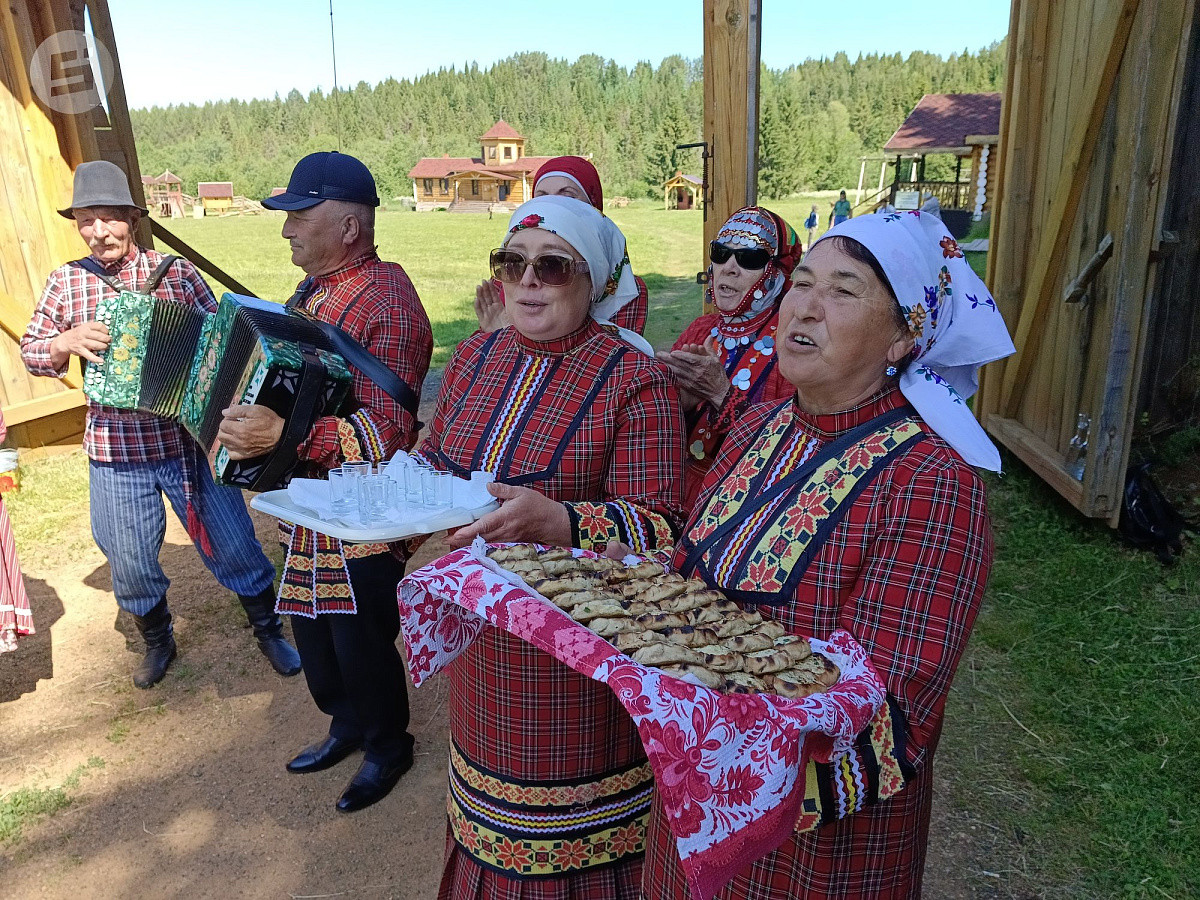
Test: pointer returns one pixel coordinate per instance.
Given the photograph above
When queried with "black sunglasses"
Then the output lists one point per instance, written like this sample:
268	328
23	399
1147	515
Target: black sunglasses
549	268
749	259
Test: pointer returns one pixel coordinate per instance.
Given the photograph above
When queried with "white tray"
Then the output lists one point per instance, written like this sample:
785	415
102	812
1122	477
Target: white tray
278	504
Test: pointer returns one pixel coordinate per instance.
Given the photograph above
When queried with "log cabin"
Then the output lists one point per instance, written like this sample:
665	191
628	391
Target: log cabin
501	177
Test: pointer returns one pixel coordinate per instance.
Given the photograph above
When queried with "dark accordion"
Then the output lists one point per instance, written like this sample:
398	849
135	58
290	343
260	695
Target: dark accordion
179	362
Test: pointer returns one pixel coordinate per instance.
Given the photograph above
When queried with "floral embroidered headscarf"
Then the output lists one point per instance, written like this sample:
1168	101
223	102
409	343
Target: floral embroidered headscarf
756	227
599	242
951	315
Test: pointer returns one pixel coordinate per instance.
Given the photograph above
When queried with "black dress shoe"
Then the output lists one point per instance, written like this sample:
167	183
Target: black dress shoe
329	752
371	783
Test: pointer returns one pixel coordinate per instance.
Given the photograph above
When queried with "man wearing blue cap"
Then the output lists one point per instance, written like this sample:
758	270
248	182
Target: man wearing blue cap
342	597
136	457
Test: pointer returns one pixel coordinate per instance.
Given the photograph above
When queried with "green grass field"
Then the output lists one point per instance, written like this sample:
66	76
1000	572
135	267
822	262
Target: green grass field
446	254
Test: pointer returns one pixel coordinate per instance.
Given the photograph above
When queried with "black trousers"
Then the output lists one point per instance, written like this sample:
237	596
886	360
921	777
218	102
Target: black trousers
353	667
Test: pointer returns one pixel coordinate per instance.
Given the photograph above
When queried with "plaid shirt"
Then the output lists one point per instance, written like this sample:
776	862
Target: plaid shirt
376	304
904	572
593	423
69	299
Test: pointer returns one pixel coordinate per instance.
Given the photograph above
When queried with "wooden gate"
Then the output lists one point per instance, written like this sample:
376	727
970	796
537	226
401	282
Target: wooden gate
1091	110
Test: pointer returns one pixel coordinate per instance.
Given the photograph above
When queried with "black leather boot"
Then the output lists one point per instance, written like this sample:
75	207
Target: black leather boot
156	630
268	628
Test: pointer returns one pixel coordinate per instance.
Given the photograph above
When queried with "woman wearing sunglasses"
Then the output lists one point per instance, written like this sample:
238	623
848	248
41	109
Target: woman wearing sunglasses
562	176
585	437
725	360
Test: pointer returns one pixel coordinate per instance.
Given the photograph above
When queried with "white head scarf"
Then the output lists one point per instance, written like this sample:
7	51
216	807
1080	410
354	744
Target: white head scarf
599	242
951	315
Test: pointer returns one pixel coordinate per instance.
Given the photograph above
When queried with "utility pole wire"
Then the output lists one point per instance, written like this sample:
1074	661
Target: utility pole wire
337	115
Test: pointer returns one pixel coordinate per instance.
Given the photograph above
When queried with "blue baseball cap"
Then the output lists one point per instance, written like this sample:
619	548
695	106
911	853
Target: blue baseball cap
327	175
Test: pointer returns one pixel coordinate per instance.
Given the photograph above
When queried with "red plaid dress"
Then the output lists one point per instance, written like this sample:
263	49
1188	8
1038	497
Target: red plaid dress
376	304
633	314
761	383
69	299
589	421
903	572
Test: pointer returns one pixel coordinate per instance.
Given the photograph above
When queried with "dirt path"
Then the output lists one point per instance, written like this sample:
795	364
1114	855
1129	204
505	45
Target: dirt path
182	791
191	798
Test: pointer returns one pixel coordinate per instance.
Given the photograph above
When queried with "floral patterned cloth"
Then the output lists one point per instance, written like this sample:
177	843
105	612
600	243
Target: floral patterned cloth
728	767
951	315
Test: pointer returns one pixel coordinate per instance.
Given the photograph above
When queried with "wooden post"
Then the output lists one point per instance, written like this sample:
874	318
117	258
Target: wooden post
732	35
862	171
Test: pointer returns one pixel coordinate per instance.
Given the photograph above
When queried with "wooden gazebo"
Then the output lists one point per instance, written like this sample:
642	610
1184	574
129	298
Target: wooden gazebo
682	191
966	126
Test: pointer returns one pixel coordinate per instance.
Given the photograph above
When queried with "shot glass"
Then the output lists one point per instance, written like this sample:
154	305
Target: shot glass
373	497
414	489
437	488
355	469
343	491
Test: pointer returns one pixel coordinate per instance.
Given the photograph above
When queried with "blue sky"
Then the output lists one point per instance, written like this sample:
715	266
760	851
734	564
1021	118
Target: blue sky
256	48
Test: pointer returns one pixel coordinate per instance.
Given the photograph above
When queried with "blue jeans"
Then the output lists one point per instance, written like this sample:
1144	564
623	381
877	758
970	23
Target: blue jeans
838	220
129	522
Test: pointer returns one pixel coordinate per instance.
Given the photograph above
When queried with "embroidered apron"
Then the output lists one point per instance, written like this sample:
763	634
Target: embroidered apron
762	527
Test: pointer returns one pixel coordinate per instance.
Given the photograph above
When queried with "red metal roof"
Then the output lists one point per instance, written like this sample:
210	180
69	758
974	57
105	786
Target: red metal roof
943	121
214	189
442	166
502	130
526	163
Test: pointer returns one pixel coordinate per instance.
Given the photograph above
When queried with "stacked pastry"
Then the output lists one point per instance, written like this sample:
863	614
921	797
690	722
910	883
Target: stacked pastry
676	625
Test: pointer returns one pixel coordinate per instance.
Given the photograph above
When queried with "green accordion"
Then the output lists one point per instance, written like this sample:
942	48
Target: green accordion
179	362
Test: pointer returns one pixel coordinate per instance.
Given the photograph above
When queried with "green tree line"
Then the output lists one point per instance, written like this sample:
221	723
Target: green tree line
817	118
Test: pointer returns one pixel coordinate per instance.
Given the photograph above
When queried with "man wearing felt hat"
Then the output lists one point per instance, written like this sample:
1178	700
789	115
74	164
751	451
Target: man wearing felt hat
342	596
137	457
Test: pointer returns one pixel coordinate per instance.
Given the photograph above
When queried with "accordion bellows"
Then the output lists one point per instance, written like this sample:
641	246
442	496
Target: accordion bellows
176	361
150	336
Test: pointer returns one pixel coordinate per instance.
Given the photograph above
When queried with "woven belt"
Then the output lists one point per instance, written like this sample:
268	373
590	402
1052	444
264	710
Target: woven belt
531	829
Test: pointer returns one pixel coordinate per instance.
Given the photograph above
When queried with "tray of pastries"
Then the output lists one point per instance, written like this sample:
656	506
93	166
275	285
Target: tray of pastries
677	625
